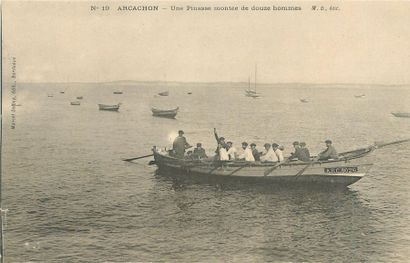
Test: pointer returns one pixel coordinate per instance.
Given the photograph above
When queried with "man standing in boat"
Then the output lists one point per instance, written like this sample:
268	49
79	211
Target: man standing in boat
180	145
329	153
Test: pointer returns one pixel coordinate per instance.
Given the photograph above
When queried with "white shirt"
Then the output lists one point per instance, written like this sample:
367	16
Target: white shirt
223	155
279	154
247	155
232	152
269	156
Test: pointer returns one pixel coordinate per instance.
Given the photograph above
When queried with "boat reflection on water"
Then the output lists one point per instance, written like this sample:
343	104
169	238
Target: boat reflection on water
265	223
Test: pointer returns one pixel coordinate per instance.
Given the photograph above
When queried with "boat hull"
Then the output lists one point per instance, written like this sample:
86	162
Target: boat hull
401	114
332	174
108	107
170	114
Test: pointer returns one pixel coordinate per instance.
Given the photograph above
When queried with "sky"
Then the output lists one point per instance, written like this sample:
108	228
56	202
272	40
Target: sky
64	41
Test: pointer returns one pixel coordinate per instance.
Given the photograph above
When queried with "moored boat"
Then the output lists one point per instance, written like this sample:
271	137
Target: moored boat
360	96
117	92
164	93
79	97
249	92
401	114
304	100
62	92
75	103
107	107
165	113
346	170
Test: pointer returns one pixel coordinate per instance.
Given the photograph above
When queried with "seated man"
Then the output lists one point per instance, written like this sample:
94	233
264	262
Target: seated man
278	151
255	152
199	152
189	156
305	152
232	152
247	153
269	155
299	153
223	154
329	153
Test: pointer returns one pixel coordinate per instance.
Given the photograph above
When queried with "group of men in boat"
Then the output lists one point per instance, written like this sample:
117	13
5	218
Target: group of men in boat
226	151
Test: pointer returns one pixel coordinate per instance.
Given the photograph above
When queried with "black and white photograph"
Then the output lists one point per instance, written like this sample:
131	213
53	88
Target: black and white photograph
205	131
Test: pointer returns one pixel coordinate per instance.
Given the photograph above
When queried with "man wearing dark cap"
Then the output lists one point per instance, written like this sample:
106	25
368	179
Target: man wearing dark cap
329	153
278	151
199	152
299	153
255	153
180	145
221	144
247	153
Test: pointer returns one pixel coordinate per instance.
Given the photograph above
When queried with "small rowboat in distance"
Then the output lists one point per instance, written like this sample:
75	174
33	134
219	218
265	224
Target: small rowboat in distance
79	97
62	92
164	93
75	103
117	92
109	107
50	95
189	93
304	100
165	113
360	96
401	114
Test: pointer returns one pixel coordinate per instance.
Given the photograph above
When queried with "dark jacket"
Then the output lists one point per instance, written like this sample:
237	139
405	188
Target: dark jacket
304	155
301	154
199	153
256	155
179	146
329	153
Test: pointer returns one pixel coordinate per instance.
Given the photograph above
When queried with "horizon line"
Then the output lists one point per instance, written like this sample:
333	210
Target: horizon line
212	82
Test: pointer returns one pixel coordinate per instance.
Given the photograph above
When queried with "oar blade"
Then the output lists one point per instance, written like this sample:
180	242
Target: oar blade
136	158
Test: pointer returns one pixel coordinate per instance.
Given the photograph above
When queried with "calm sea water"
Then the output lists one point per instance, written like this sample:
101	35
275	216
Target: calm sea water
72	199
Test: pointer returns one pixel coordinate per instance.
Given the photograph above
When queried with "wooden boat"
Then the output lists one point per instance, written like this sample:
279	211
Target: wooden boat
109	107
75	103
348	169
117	92
304	100
401	114
165	113
50	95
164	93
189	93
79	97
62	92
360	96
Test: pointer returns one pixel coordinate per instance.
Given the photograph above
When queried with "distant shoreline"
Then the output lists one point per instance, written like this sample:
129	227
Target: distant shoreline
173	83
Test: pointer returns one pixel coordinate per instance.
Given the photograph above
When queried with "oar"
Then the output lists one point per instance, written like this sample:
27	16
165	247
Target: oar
268	171
307	166
379	145
240	168
136	158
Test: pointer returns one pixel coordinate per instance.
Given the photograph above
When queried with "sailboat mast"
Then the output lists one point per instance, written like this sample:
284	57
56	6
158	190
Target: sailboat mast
256	67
